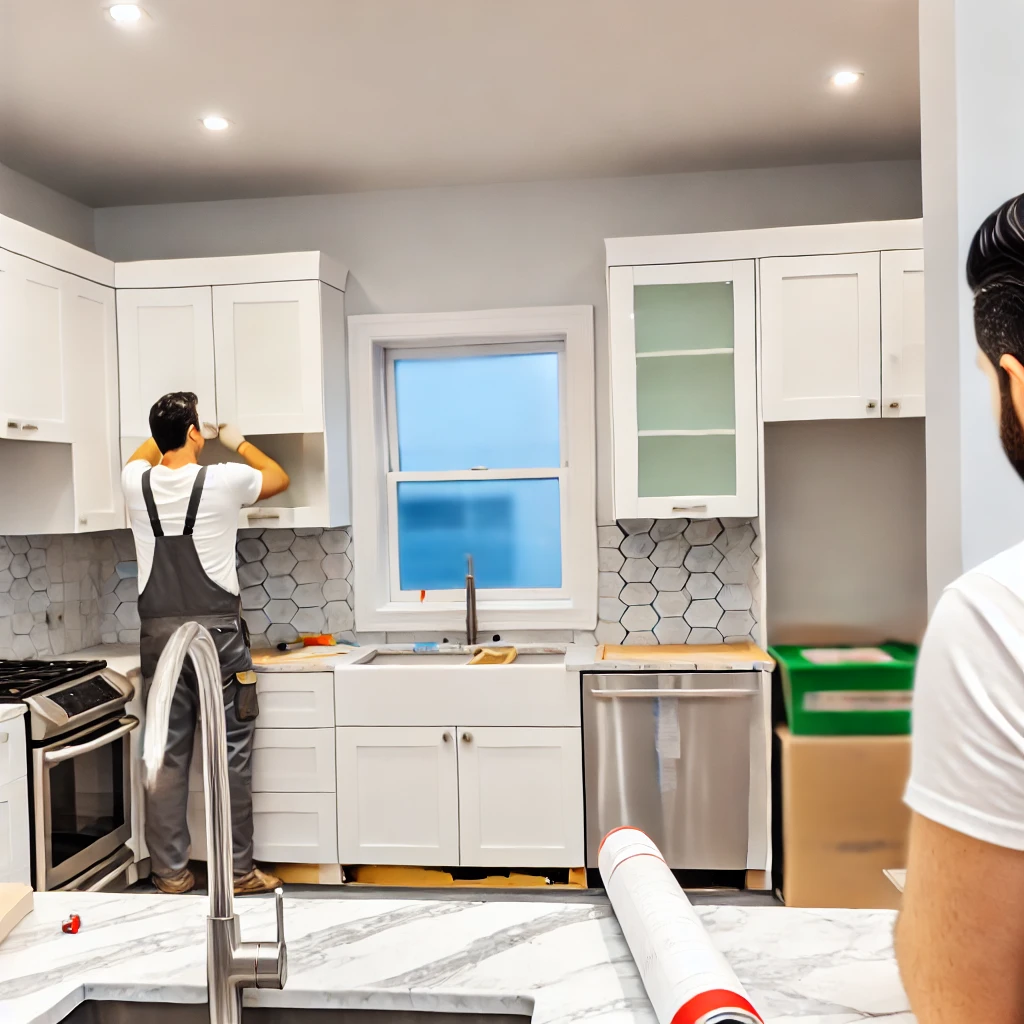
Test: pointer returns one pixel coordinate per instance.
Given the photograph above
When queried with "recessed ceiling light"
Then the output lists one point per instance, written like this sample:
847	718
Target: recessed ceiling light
846	79
125	12
215	123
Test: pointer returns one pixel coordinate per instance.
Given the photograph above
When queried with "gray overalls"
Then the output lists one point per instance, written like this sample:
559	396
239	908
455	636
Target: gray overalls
179	591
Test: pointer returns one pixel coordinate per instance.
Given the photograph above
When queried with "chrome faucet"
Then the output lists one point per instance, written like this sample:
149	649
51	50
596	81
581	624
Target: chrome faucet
470	603
231	964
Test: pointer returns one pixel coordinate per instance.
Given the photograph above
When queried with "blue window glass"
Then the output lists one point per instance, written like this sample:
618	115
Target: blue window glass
498	411
510	527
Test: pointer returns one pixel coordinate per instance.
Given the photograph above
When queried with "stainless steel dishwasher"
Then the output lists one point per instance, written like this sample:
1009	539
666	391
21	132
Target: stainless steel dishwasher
670	753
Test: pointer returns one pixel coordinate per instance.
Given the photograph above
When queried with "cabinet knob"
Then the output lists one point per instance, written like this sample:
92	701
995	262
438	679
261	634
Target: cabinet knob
871	405
83	520
467	737
894	405
446	737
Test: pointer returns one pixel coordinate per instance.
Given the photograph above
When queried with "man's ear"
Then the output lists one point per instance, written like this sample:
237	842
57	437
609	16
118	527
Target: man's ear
1015	371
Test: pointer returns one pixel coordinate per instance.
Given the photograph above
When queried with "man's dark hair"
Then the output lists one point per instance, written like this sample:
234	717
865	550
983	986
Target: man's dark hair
995	272
170	418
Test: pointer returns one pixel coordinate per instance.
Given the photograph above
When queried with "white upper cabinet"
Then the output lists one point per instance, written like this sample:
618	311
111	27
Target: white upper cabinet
165	343
684	390
820	337
903	332
269	366
58	390
33	368
258	339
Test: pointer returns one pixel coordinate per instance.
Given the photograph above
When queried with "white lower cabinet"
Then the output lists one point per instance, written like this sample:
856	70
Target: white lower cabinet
520	797
293	761
398	796
295	828
480	797
14	836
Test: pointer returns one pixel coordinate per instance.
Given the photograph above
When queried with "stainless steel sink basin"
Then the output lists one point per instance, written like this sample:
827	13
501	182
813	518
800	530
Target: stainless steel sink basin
100	1012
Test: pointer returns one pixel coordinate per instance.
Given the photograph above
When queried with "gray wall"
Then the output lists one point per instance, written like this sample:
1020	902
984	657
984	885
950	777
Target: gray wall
494	246
844	531
28	201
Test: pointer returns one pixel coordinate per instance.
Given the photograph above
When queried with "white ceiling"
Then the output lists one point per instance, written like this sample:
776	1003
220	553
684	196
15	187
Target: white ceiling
345	95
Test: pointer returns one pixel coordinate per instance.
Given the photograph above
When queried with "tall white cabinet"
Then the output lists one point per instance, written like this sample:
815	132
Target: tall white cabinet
260	341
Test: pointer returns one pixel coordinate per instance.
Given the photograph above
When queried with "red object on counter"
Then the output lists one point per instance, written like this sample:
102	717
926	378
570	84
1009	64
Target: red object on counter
71	925
323	640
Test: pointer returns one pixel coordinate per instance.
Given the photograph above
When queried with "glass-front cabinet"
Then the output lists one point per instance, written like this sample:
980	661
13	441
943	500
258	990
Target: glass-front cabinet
684	391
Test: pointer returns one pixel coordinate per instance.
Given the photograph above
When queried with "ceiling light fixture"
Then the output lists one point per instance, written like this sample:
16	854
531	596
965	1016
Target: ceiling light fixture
846	79
215	123
125	13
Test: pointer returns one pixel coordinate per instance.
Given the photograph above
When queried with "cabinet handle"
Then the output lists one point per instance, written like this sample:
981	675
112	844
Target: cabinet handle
894	405
447	738
264	515
29	426
83	520
871	405
689	508
467	737
13	424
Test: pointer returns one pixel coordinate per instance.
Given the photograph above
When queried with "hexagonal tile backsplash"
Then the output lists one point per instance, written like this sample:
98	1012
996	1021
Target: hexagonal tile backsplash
675	581
667	581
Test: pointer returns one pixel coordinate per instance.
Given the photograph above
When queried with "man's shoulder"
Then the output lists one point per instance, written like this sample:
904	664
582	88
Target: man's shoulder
131	475
1006	569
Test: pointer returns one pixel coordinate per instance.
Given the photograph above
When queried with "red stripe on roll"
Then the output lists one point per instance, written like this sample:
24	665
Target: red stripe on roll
622	828
640	853
714	999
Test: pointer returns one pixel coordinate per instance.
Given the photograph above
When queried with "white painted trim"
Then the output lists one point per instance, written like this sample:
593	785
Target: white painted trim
370	337
214	270
37	245
810	240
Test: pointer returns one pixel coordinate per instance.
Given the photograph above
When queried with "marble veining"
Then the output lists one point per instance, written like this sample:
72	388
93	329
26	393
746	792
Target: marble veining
562	963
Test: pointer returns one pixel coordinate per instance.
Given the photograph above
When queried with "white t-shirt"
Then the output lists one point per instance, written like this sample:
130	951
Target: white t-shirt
228	487
967	768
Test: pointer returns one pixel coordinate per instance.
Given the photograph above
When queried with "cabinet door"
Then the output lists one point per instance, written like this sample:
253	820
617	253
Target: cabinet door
33	317
14	837
684	393
521	797
398	796
165	343
269	362
91	359
903	333
820	337
295	700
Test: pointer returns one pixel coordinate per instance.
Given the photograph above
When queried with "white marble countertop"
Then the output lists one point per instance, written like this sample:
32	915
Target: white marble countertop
561	962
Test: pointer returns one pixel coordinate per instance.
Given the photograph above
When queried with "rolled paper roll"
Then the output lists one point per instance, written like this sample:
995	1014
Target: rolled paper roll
687	980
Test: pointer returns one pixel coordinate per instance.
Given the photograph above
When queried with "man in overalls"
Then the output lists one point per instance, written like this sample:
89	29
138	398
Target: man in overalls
185	521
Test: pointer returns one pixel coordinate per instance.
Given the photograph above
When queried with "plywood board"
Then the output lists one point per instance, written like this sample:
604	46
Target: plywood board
15	903
707	654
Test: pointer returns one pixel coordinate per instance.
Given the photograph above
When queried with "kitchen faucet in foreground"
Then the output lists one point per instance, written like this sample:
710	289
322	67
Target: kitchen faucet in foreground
231	964
471	623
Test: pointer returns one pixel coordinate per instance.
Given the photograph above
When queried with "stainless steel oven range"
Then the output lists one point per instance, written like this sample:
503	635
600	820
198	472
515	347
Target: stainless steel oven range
79	769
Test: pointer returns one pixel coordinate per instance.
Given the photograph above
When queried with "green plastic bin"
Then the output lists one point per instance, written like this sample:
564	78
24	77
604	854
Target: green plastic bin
848	697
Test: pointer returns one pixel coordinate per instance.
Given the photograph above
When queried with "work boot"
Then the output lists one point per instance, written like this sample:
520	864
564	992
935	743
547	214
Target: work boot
174	885
255	881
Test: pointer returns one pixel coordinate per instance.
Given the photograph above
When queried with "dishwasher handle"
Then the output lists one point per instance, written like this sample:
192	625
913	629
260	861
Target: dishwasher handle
673	694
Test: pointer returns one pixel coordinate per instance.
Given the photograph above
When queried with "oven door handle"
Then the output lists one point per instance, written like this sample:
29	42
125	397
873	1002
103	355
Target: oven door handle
127	724
673	694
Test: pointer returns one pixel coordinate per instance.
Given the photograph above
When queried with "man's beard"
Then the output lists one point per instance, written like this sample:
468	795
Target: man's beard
1011	433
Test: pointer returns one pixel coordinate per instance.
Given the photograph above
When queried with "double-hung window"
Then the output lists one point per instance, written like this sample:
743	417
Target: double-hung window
473	437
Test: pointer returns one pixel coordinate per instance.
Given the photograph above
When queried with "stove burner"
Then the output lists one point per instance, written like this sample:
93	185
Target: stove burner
20	679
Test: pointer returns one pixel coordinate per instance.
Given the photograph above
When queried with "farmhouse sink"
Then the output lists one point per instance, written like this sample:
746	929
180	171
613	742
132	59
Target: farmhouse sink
99	1012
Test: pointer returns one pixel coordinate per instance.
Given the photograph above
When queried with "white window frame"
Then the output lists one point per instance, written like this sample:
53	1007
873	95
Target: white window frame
375	341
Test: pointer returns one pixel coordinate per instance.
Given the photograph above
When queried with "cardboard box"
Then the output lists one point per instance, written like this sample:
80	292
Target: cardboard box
843	818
